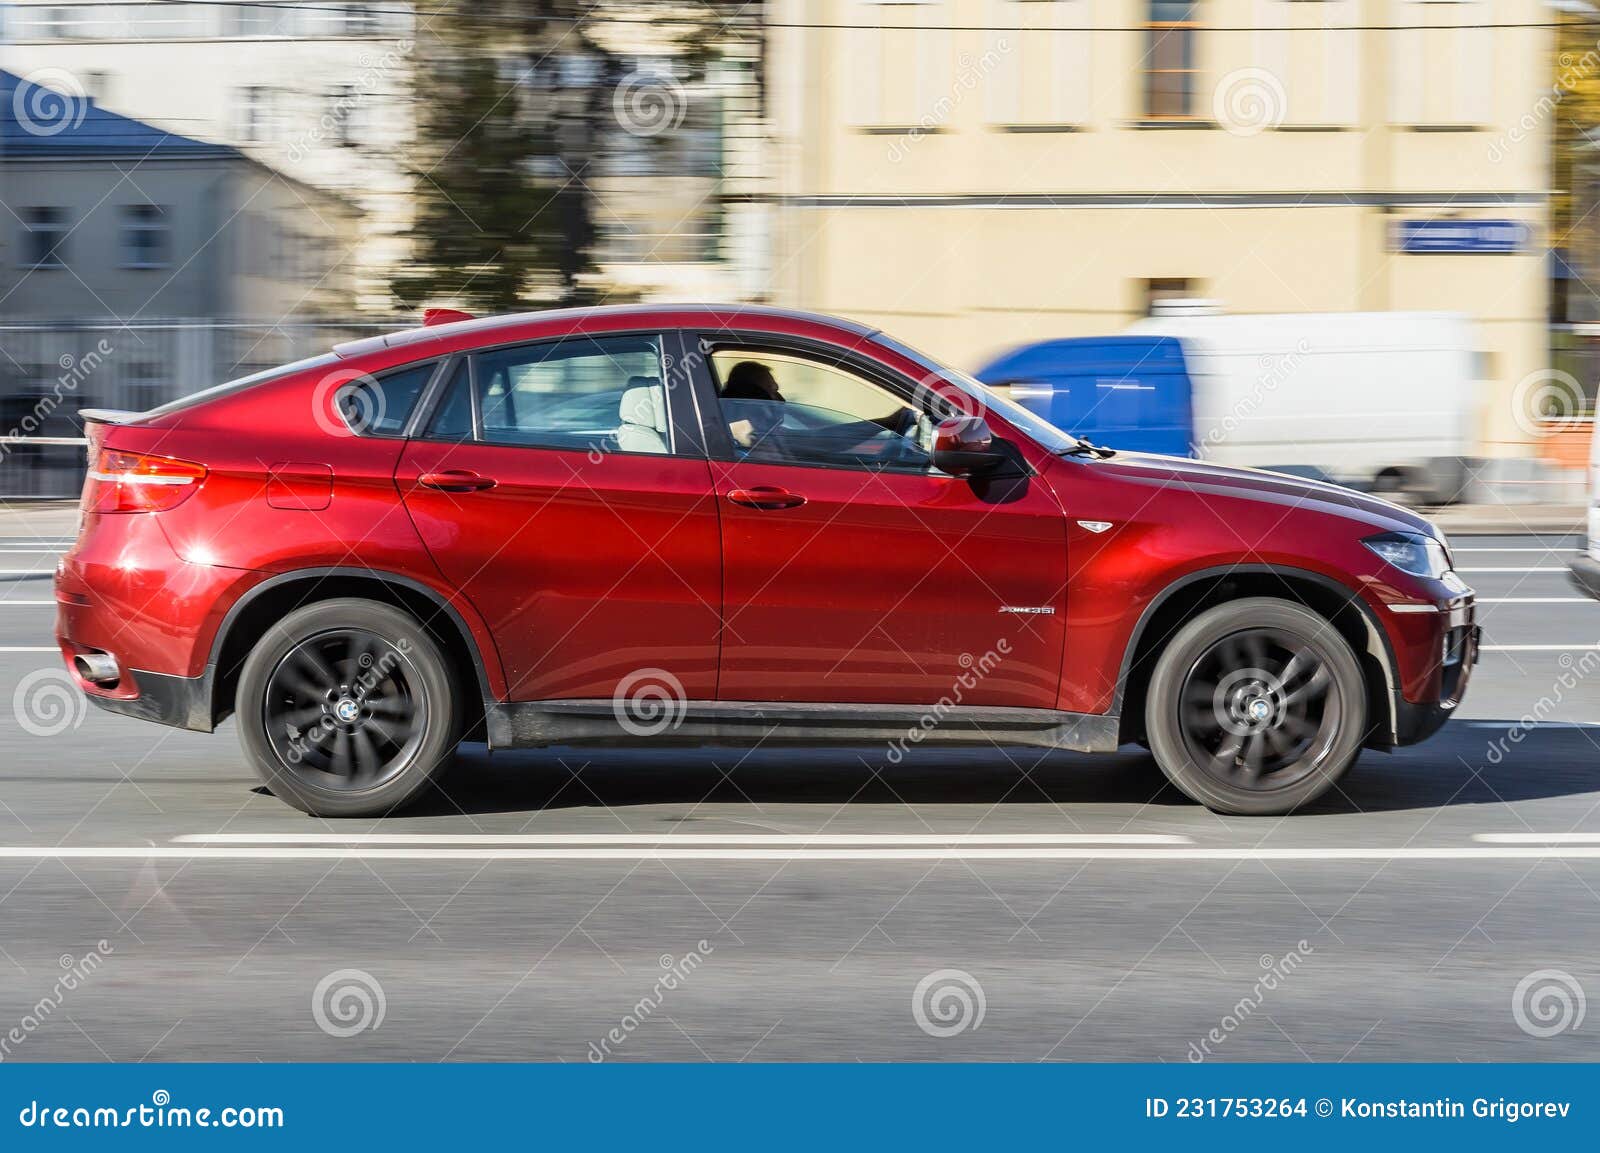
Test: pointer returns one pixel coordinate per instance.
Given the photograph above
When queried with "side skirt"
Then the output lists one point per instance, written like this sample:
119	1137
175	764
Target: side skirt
532	724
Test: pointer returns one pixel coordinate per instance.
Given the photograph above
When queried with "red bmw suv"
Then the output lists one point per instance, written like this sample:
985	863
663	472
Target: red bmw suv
727	525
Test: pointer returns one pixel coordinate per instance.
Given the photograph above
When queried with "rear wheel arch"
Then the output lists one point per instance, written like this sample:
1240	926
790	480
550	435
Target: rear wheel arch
250	617
1194	593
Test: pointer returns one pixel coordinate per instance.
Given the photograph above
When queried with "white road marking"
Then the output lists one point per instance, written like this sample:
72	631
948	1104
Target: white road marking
1520	601
1519	548
25	571
697	840
1516	570
797	853
1503	725
27	604
1538	838
1538	648
29	649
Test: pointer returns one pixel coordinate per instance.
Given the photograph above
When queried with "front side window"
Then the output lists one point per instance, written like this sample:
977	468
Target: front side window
591	394
792	409
1170	72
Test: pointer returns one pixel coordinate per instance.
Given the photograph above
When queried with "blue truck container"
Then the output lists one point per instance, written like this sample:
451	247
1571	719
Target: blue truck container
1129	392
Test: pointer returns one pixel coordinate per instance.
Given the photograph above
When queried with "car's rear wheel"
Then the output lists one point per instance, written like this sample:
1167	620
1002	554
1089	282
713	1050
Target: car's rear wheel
347	708
1257	706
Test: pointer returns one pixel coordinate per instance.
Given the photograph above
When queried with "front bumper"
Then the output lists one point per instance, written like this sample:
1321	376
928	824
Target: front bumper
1455	645
1584	572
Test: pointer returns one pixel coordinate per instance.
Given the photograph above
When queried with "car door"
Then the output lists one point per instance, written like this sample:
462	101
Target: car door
852	570
559	487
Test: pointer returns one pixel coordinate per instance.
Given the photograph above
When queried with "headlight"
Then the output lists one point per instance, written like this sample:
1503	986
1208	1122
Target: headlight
1411	552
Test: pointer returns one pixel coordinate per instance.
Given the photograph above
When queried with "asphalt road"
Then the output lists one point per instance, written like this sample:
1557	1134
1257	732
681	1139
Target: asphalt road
1445	905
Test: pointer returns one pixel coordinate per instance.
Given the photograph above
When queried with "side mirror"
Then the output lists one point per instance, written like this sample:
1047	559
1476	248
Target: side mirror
964	446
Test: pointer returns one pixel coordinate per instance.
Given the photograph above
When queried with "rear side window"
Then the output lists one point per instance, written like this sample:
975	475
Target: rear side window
381	405
593	394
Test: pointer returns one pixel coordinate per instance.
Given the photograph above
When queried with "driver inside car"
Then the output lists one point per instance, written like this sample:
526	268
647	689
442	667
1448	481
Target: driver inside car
753	415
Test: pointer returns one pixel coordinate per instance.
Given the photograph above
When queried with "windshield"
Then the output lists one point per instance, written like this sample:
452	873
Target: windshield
1045	434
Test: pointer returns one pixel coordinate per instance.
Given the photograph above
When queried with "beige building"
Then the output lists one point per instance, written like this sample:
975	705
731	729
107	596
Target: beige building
977	174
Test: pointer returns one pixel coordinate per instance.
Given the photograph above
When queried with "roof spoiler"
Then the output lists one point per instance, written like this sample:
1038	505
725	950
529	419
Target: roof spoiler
108	415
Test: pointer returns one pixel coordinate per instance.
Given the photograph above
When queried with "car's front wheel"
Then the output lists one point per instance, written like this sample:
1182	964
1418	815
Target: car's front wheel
347	708
1256	706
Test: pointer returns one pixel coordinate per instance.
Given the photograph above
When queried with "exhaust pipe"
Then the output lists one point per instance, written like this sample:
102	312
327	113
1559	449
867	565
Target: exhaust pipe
97	668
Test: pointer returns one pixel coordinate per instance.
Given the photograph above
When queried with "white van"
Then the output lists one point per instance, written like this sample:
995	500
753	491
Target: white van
1380	400
1586	567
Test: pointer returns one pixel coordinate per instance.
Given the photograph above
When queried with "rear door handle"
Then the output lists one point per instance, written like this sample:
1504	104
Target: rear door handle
766	496
455	480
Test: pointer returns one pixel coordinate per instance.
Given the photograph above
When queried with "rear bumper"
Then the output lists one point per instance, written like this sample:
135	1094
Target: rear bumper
1584	572
182	702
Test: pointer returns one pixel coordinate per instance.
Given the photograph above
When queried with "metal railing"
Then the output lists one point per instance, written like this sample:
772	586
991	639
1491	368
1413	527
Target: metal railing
50	370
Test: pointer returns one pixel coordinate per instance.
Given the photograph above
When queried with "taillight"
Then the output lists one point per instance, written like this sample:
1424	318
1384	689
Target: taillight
137	482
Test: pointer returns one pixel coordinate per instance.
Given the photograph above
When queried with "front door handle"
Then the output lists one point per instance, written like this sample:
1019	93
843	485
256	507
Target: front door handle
455	480
766	496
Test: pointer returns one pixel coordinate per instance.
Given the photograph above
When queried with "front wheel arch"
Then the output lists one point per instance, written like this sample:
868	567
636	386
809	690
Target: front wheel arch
1193	593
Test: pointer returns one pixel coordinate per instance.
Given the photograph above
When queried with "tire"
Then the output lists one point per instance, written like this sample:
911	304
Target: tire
347	708
1256	707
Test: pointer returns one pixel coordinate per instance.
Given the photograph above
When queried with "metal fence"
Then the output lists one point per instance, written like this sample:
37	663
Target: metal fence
49	371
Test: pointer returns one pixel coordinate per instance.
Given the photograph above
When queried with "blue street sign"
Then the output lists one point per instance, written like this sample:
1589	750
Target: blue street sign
1481	236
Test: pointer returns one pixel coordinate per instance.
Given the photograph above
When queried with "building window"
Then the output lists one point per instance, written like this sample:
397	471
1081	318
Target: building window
44	237
58	24
360	20
146	236
148	385
1170	74
1161	288
342	103
98	84
253	100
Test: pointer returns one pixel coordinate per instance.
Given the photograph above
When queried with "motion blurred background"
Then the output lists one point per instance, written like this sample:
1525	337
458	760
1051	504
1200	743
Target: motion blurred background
193	190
